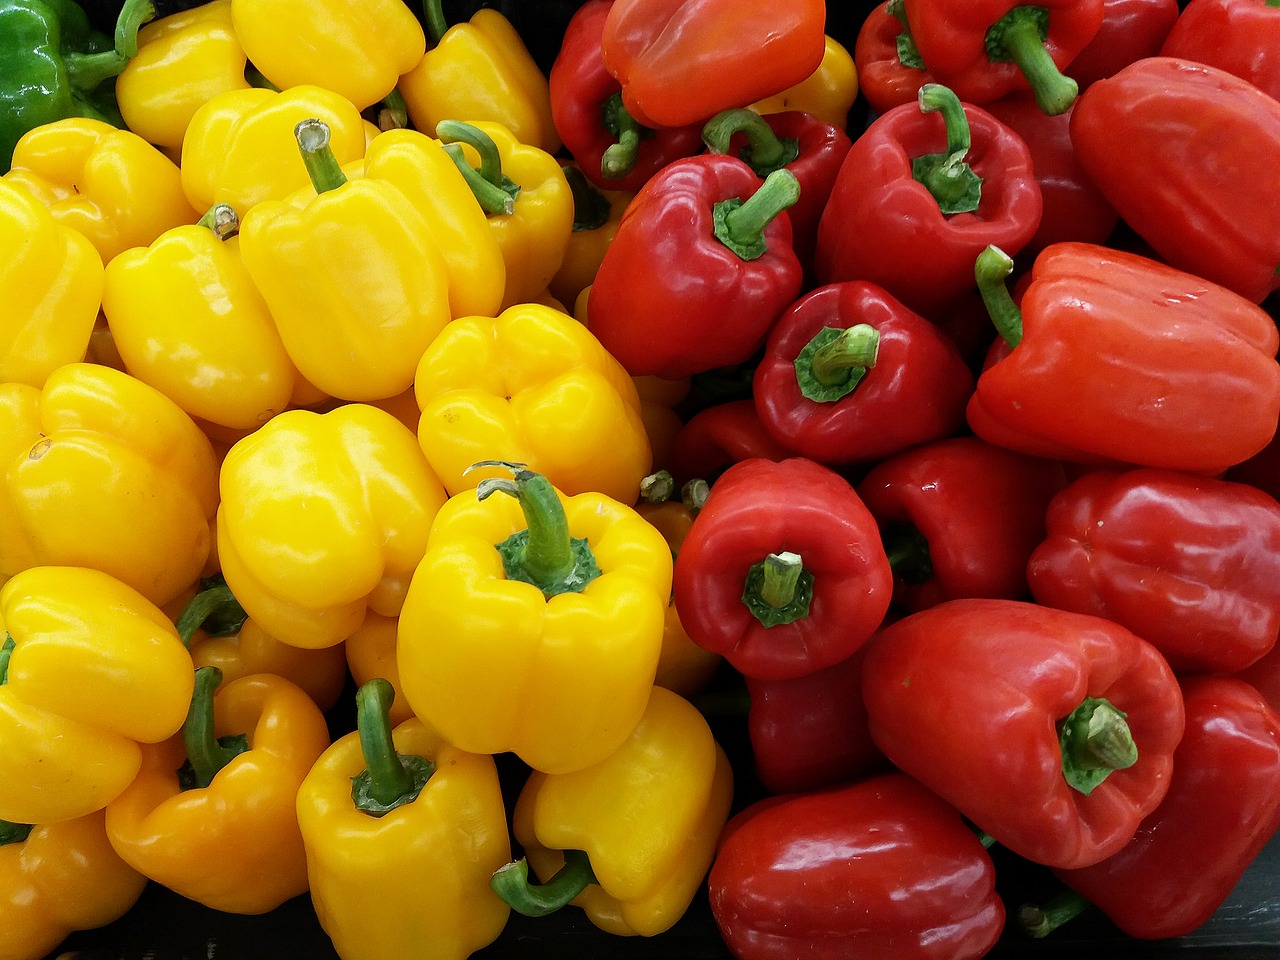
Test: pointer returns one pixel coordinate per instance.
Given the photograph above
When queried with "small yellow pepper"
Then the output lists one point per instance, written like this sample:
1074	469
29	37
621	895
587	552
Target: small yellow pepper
531	385
596	215
89	671
110	184
323	516
51	279
631	838
828	93
402	832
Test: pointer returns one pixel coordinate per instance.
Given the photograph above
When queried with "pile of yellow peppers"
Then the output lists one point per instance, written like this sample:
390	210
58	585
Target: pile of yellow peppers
294	400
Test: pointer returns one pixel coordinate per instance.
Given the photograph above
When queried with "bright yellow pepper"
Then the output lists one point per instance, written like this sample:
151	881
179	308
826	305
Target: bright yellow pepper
533	386
631	838
480	70
101	470
596	215
110	184
533	623
827	93
51	278
322	517
93	669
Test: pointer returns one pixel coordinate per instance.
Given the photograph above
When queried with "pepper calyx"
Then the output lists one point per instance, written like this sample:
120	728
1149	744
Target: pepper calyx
1095	740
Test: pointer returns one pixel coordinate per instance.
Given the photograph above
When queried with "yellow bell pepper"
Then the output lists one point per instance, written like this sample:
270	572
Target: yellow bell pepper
58	878
533	623
402	832
183	61
240	147
531	385
596	215
480	70
527	197
371	654
828	93
110	184
631	838
352	275
322	517
358	50
89	670
103	471
211	814
51	279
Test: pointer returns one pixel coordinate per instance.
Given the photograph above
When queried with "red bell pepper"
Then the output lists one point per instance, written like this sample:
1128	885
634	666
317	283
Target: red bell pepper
880	870
1114	357
984	49
682	61
1241	37
890	69
1264	676
716	437
1131	30
959	518
1188	563
782	572
612	149
1222	807
919	195
1200	170
1052	731
850	375
699	270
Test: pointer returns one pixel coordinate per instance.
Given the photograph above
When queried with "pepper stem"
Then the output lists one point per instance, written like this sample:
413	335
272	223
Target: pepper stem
495	191
393	112
6	650
129	21
740	224
322	166
389	779
778	589
657	487
206	754
1095	740
764	152
85	71
1019	36
992	267
833	363
619	158
590	206
953	183
433	14
1041	919
214	607
221	218
511	882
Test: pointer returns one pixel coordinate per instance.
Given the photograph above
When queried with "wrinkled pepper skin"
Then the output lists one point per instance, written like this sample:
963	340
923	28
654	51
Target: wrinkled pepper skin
1241	37
880	869
967	695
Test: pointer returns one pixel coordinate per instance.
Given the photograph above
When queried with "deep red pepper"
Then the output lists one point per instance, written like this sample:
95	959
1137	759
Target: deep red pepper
1200	170
1131	30
959	518
1264	676
880	870
719	436
1241	37
890	69
850	375
782	572
914	226
700	268
1052	731
613	151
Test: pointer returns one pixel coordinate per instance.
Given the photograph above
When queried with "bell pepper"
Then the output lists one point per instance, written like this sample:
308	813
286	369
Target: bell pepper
827	94
211	814
890	69
1190	564
1052	731
880	869
355	332
700	268
1241	37
682	61
111	185
52	282
1222	807
402	831
1128	340
596	216
104	471
782	572
89	671
959	518
850	375
480	70
357	51
1264	676
629	839
57	878
574	591
718	436
983	50
371	655
1131	30
1185	125
919	195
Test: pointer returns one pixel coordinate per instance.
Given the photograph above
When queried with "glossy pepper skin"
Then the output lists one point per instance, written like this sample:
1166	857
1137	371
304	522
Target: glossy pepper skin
1185	124
717	437
597	215
91	671
1241	37
828	94
324	515
1188	563
1131	30
850	375
1001	708
647	817
1110	364
673	296
890	71
104	471
680	61
785	884
760	512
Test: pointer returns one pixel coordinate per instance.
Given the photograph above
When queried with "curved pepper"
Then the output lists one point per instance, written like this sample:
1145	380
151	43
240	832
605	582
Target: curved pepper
827	94
89	670
717	437
596	217
1131	30
1241	37
890	69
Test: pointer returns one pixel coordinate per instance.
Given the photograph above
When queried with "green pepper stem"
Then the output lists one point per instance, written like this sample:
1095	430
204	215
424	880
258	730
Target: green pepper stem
694	493
657	487
322	166
85	71
389	780
1095	740
765	151
619	158
11	832
393	112
6	651
778	589
1041	919
834	362
214	602
495	192
129	21
1020	36
511	883
781	578
433	14
992	267
590	206
206	754
221	218
740	224
947	175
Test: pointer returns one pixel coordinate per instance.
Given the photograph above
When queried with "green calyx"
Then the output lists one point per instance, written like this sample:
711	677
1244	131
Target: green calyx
322	166
14	832
6	650
908	55
778	589
389	779
740	224
590	206
947	175
214	608
1019	37
495	191
990	271
1095	740
206	755
764	151
511	883
619	158
833	363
